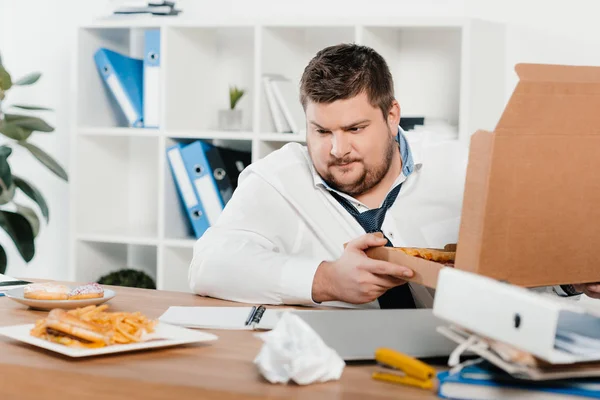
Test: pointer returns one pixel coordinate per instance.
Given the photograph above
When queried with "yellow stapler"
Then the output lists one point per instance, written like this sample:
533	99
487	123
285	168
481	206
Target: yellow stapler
414	372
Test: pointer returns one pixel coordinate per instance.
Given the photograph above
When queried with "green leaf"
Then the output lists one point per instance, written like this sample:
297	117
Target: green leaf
235	94
3	260
5	79
31	216
6	180
27	107
6	196
46	159
34	194
13	131
10	118
33	124
20	231
28	79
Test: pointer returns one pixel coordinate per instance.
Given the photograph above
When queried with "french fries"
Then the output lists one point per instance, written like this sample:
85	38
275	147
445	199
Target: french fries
121	327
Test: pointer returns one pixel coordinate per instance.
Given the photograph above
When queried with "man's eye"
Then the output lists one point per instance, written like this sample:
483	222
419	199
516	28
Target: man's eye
322	131
355	129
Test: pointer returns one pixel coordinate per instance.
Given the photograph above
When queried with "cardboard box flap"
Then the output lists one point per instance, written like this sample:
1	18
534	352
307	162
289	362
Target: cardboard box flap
553	100
557	73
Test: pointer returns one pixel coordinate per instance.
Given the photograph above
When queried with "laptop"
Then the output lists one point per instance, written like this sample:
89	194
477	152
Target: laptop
356	334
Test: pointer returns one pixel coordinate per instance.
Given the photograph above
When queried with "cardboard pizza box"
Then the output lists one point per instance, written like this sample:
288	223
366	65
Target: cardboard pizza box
531	207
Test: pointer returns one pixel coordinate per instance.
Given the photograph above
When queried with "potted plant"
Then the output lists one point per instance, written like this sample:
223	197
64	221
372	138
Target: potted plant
231	119
20	222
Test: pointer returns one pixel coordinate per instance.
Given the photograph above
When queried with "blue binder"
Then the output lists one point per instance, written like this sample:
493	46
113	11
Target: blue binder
123	76
201	175
152	87
219	171
191	204
488	382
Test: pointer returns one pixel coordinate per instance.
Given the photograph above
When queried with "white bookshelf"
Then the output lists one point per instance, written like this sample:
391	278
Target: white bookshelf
125	209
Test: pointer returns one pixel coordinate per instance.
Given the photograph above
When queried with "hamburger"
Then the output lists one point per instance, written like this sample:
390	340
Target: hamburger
66	329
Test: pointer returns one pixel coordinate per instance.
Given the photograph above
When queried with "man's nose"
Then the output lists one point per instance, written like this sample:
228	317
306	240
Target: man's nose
340	145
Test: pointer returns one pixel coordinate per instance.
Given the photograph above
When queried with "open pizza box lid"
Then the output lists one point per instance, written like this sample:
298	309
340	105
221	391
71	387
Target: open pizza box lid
531	207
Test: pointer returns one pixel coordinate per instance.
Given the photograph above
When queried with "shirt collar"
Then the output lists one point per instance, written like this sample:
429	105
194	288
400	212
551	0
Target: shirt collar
406	154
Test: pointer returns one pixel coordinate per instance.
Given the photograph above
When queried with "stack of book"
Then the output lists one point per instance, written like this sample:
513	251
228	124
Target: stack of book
283	98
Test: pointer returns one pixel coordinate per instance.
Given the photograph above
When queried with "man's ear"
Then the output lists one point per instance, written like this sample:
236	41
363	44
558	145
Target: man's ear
393	118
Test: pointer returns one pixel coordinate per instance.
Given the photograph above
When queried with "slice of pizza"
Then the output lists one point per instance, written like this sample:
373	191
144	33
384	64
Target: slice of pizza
439	256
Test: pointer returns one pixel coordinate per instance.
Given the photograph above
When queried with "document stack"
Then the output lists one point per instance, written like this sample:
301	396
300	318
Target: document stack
205	177
148	7
531	345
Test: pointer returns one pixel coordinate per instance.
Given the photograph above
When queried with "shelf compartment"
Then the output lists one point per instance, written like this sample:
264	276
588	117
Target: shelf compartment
116	191
96	259
200	66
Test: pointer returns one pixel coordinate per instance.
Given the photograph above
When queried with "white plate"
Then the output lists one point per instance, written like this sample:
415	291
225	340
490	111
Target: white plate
170	336
17	295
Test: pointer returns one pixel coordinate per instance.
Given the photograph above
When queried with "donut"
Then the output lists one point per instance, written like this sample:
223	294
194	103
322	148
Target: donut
45	291
88	291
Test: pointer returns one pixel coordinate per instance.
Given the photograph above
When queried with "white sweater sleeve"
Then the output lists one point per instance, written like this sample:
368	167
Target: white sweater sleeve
246	256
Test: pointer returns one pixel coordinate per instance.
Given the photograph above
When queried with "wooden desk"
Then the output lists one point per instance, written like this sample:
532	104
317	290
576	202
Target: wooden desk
222	369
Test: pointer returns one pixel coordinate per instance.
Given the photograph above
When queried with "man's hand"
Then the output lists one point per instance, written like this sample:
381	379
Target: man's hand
590	289
354	277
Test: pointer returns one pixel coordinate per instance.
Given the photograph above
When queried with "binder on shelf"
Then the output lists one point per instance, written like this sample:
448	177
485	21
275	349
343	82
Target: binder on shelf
152	93
123	76
193	207
203	181
218	170
279	122
287	95
235	161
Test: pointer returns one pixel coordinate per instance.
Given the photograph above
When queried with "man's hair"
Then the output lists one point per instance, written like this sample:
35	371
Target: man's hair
345	70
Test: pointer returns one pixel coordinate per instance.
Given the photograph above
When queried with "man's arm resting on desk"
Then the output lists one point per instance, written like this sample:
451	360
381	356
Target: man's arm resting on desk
246	257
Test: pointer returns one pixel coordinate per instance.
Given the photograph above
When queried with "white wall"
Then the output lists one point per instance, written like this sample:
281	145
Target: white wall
544	31
39	35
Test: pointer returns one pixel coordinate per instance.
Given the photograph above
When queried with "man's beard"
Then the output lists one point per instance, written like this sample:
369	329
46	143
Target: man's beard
369	178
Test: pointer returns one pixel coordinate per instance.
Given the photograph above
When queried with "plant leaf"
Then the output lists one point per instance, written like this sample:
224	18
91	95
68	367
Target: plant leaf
20	231
28	79
33	124
7	195
6	180
13	131
34	194
5	79
3	260
31	216
46	159
27	107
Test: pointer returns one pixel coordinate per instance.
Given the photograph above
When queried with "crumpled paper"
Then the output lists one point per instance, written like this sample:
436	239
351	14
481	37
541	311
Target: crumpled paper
294	351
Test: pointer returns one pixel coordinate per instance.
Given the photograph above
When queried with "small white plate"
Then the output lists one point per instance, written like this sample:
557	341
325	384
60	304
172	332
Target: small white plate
170	335
17	295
